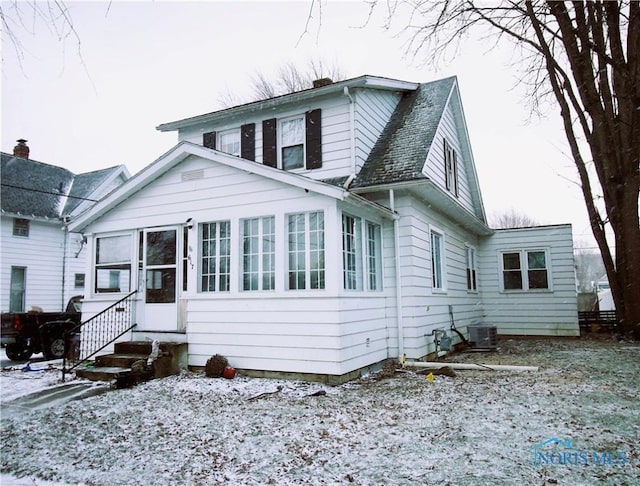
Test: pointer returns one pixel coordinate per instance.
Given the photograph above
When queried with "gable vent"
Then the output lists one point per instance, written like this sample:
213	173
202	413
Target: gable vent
193	175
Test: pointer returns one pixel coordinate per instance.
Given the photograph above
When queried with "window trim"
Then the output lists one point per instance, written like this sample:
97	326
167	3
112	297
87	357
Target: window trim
322	271
282	146
217	275
261	254
524	270
119	265
472	269
451	169
21	227
231	131
442	289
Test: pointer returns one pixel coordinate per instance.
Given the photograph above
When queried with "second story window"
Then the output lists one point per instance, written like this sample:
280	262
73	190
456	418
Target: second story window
230	142
450	169
292	137
21	227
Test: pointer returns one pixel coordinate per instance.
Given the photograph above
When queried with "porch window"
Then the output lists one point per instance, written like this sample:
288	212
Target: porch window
438	281
374	256
292	138
230	142
258	253
113	264
472	282
450	169
215	263
351	252
525	270
306	268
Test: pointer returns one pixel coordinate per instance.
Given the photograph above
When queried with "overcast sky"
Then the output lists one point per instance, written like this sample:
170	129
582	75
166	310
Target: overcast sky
139	64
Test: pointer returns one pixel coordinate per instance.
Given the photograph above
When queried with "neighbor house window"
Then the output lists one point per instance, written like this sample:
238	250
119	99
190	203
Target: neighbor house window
437	261
230	142
351	252
78	281
472	278
525	270
258	253
306	251
450	169
216	256
292	138
21	227
113	264
17	289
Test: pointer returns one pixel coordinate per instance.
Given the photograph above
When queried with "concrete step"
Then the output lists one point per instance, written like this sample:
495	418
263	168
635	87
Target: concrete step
104	373
119	360
132	347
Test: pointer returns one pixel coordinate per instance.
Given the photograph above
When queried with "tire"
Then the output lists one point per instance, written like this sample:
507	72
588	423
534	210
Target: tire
18	351
54	348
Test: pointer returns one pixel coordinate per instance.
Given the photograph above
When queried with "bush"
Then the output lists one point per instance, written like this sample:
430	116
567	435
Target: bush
215	366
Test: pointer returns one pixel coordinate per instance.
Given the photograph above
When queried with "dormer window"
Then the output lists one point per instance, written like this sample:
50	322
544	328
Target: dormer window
229	142
292	142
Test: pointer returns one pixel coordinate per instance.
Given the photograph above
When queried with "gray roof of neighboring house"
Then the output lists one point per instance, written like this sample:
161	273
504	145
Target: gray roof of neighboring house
401	150
36	189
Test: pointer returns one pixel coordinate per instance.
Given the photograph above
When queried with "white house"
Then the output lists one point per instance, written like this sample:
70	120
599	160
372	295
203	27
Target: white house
322	232
42	263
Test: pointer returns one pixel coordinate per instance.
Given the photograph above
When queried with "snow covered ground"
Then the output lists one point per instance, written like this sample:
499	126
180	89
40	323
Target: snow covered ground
477	428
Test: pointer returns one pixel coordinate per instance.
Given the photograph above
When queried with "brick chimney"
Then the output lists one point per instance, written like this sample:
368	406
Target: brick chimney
21	150
319	83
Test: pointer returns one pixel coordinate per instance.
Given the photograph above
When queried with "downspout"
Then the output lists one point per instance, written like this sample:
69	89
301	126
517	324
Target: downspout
64	266
352	129
396	241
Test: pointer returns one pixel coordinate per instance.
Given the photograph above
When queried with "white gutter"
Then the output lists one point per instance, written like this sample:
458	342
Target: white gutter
396	240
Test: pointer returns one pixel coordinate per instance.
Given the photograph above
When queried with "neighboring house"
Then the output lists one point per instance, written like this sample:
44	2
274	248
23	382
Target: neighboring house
322	232
43	264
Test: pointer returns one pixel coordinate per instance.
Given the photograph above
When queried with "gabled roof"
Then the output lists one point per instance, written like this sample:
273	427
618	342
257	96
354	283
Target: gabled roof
182	151
35	189
401	150
366	81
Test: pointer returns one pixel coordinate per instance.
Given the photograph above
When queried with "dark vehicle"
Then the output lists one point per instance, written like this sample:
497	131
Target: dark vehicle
26	333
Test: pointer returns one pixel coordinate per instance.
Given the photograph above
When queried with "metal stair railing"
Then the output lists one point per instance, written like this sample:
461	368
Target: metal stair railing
90	337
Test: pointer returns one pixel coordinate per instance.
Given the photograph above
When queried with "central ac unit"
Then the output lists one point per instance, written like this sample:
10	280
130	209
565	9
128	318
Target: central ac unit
483	337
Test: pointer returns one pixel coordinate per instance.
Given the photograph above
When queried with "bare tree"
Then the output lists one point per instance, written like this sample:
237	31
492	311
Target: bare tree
288	78
511	219
24	16
584	57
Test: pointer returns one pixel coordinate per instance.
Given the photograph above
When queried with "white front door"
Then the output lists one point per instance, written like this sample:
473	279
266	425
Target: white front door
160	270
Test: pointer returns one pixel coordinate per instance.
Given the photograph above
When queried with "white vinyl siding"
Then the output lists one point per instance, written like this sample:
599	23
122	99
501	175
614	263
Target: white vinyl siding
527	311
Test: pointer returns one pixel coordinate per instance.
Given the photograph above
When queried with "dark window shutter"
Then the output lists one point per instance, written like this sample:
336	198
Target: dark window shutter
209	140
248	141
269	143
314	139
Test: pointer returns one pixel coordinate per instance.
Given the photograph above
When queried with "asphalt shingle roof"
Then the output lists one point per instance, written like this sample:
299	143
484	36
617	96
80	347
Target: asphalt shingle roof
401	150
36	189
